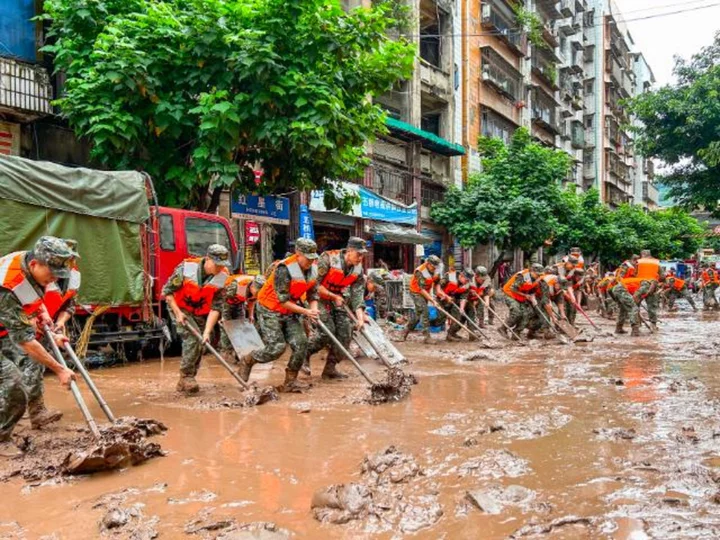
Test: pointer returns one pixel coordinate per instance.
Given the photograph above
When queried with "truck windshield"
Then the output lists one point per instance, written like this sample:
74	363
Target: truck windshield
202	232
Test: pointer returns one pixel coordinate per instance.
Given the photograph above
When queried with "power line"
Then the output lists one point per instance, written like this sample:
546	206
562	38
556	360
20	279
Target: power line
516	30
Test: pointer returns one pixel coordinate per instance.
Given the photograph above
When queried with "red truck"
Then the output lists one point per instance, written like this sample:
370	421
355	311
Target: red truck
129	245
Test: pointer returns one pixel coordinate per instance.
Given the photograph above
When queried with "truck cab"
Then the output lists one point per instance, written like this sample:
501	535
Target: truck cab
183	234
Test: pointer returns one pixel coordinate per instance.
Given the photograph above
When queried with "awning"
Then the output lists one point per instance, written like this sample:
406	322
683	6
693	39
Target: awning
388	232
407	132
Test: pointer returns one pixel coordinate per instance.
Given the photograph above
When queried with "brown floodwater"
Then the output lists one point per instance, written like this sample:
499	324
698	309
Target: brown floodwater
617	438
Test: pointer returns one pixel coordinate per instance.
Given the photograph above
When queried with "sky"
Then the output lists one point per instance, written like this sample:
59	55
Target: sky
661	38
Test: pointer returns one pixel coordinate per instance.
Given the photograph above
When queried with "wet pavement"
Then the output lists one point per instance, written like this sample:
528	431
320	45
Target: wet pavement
617	438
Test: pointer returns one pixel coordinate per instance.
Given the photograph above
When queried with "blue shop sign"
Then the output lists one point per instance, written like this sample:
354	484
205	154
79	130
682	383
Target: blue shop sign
306	223
266	208
381	209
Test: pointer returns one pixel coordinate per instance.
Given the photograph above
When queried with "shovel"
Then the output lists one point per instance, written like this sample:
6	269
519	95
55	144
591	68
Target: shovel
560	332
509	329
73	387
642	319
85	375
397	384
470	332
368	338
581	310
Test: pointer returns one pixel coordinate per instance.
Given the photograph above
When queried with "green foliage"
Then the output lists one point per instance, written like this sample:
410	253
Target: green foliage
680	126
197	92
513	203
612	236
531	24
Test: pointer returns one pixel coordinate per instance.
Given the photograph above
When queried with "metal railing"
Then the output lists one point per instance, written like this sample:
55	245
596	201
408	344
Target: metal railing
25	87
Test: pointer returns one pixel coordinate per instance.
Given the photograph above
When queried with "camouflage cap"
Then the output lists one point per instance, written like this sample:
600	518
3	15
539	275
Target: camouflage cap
645	253
377	278
481	271
434	260
358	244
572	260
575	250
219	254
537	268
307	247
468	273
55	253
73	245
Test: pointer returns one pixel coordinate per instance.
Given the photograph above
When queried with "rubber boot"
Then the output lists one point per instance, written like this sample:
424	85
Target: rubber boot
619	328
405	334
453	337
330	370
291	384
246	364
305	368
229	356
635	331
531	334
427	340
40	416
8	450
187	385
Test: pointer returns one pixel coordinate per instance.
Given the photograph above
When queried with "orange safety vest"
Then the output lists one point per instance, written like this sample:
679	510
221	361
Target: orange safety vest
709	276
527	286
648	269
242	293
55	299
580	260
453	286
630	270
430	279
335	280
478	289
605	283
552	282
194	297
13	278
299	285
678	283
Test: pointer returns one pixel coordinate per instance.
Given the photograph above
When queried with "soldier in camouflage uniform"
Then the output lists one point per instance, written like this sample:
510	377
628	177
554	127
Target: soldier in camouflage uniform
546	291
575	280
375	290
341	282
292	281
482	295
195	295
709	281
650	288
676	288
240	299
520	292
23	278
607	303
425	279
456	286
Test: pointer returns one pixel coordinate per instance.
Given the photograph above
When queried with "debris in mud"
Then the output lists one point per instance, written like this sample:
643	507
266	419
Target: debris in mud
494	499
128	522
616	434
249	398
53	453
477	356
396	386
494	464
389	497
195	496
537	529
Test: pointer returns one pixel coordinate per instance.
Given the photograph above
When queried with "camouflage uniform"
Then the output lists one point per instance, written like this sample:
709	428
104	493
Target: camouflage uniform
673	294
233	311
453	306
280	330
535	321
421	312
476	309
192	347
336	318
649	292
627	308
519	313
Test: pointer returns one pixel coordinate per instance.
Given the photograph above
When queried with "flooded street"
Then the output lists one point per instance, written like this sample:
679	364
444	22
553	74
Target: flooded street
617	438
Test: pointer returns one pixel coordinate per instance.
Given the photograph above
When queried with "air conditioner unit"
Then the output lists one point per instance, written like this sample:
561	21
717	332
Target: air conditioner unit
486	75
486	10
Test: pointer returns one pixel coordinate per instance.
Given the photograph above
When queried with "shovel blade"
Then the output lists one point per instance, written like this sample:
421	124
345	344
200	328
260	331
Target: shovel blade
365	346
381	340
245	338
567	329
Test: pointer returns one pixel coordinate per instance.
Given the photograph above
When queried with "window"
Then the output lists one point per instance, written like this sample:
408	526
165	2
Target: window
494	125
589	87
431	123
167	233
589	121
431	193
500	74
201	233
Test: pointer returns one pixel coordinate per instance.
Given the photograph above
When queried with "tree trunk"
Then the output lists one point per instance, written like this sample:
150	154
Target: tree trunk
214	200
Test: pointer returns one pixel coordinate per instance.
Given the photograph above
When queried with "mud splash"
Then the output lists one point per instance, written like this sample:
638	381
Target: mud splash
396	386
250	398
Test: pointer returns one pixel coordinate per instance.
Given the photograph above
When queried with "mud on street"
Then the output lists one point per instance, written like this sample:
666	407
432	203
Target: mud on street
616	438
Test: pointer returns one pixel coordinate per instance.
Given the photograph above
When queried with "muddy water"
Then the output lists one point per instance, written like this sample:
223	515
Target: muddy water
618	438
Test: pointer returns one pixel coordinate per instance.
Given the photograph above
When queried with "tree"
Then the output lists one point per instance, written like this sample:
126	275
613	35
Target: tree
198	92
513	202
679	125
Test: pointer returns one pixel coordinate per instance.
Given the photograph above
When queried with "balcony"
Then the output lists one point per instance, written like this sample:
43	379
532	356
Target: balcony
498	17
549	34
567	8
435	81
649	167
577	139
544	112
25	90
544	68
500	75
615	196
650	193
566	27
589	139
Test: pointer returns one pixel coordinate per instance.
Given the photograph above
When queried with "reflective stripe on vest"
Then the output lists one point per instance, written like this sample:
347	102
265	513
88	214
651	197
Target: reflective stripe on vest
242	292
430	279
299	285
194	297
526	287
648	268
54	299
335	280
13	278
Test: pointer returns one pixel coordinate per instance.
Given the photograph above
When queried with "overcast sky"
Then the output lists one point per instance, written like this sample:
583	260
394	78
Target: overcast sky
661	38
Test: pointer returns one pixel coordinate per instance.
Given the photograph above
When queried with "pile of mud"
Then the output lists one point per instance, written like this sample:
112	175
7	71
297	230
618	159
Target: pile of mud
249	398
206	525
396	386
393	495
55	453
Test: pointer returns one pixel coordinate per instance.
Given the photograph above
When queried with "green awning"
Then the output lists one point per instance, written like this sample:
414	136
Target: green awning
407	132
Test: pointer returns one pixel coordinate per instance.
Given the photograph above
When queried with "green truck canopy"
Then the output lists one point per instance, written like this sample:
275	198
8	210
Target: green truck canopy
102	210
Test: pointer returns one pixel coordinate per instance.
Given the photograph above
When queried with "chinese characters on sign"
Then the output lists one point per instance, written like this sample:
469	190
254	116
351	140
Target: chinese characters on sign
267	208
372	206
252	248
306	223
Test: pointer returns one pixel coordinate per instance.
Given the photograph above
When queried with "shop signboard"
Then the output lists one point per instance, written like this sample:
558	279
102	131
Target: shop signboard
306	223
